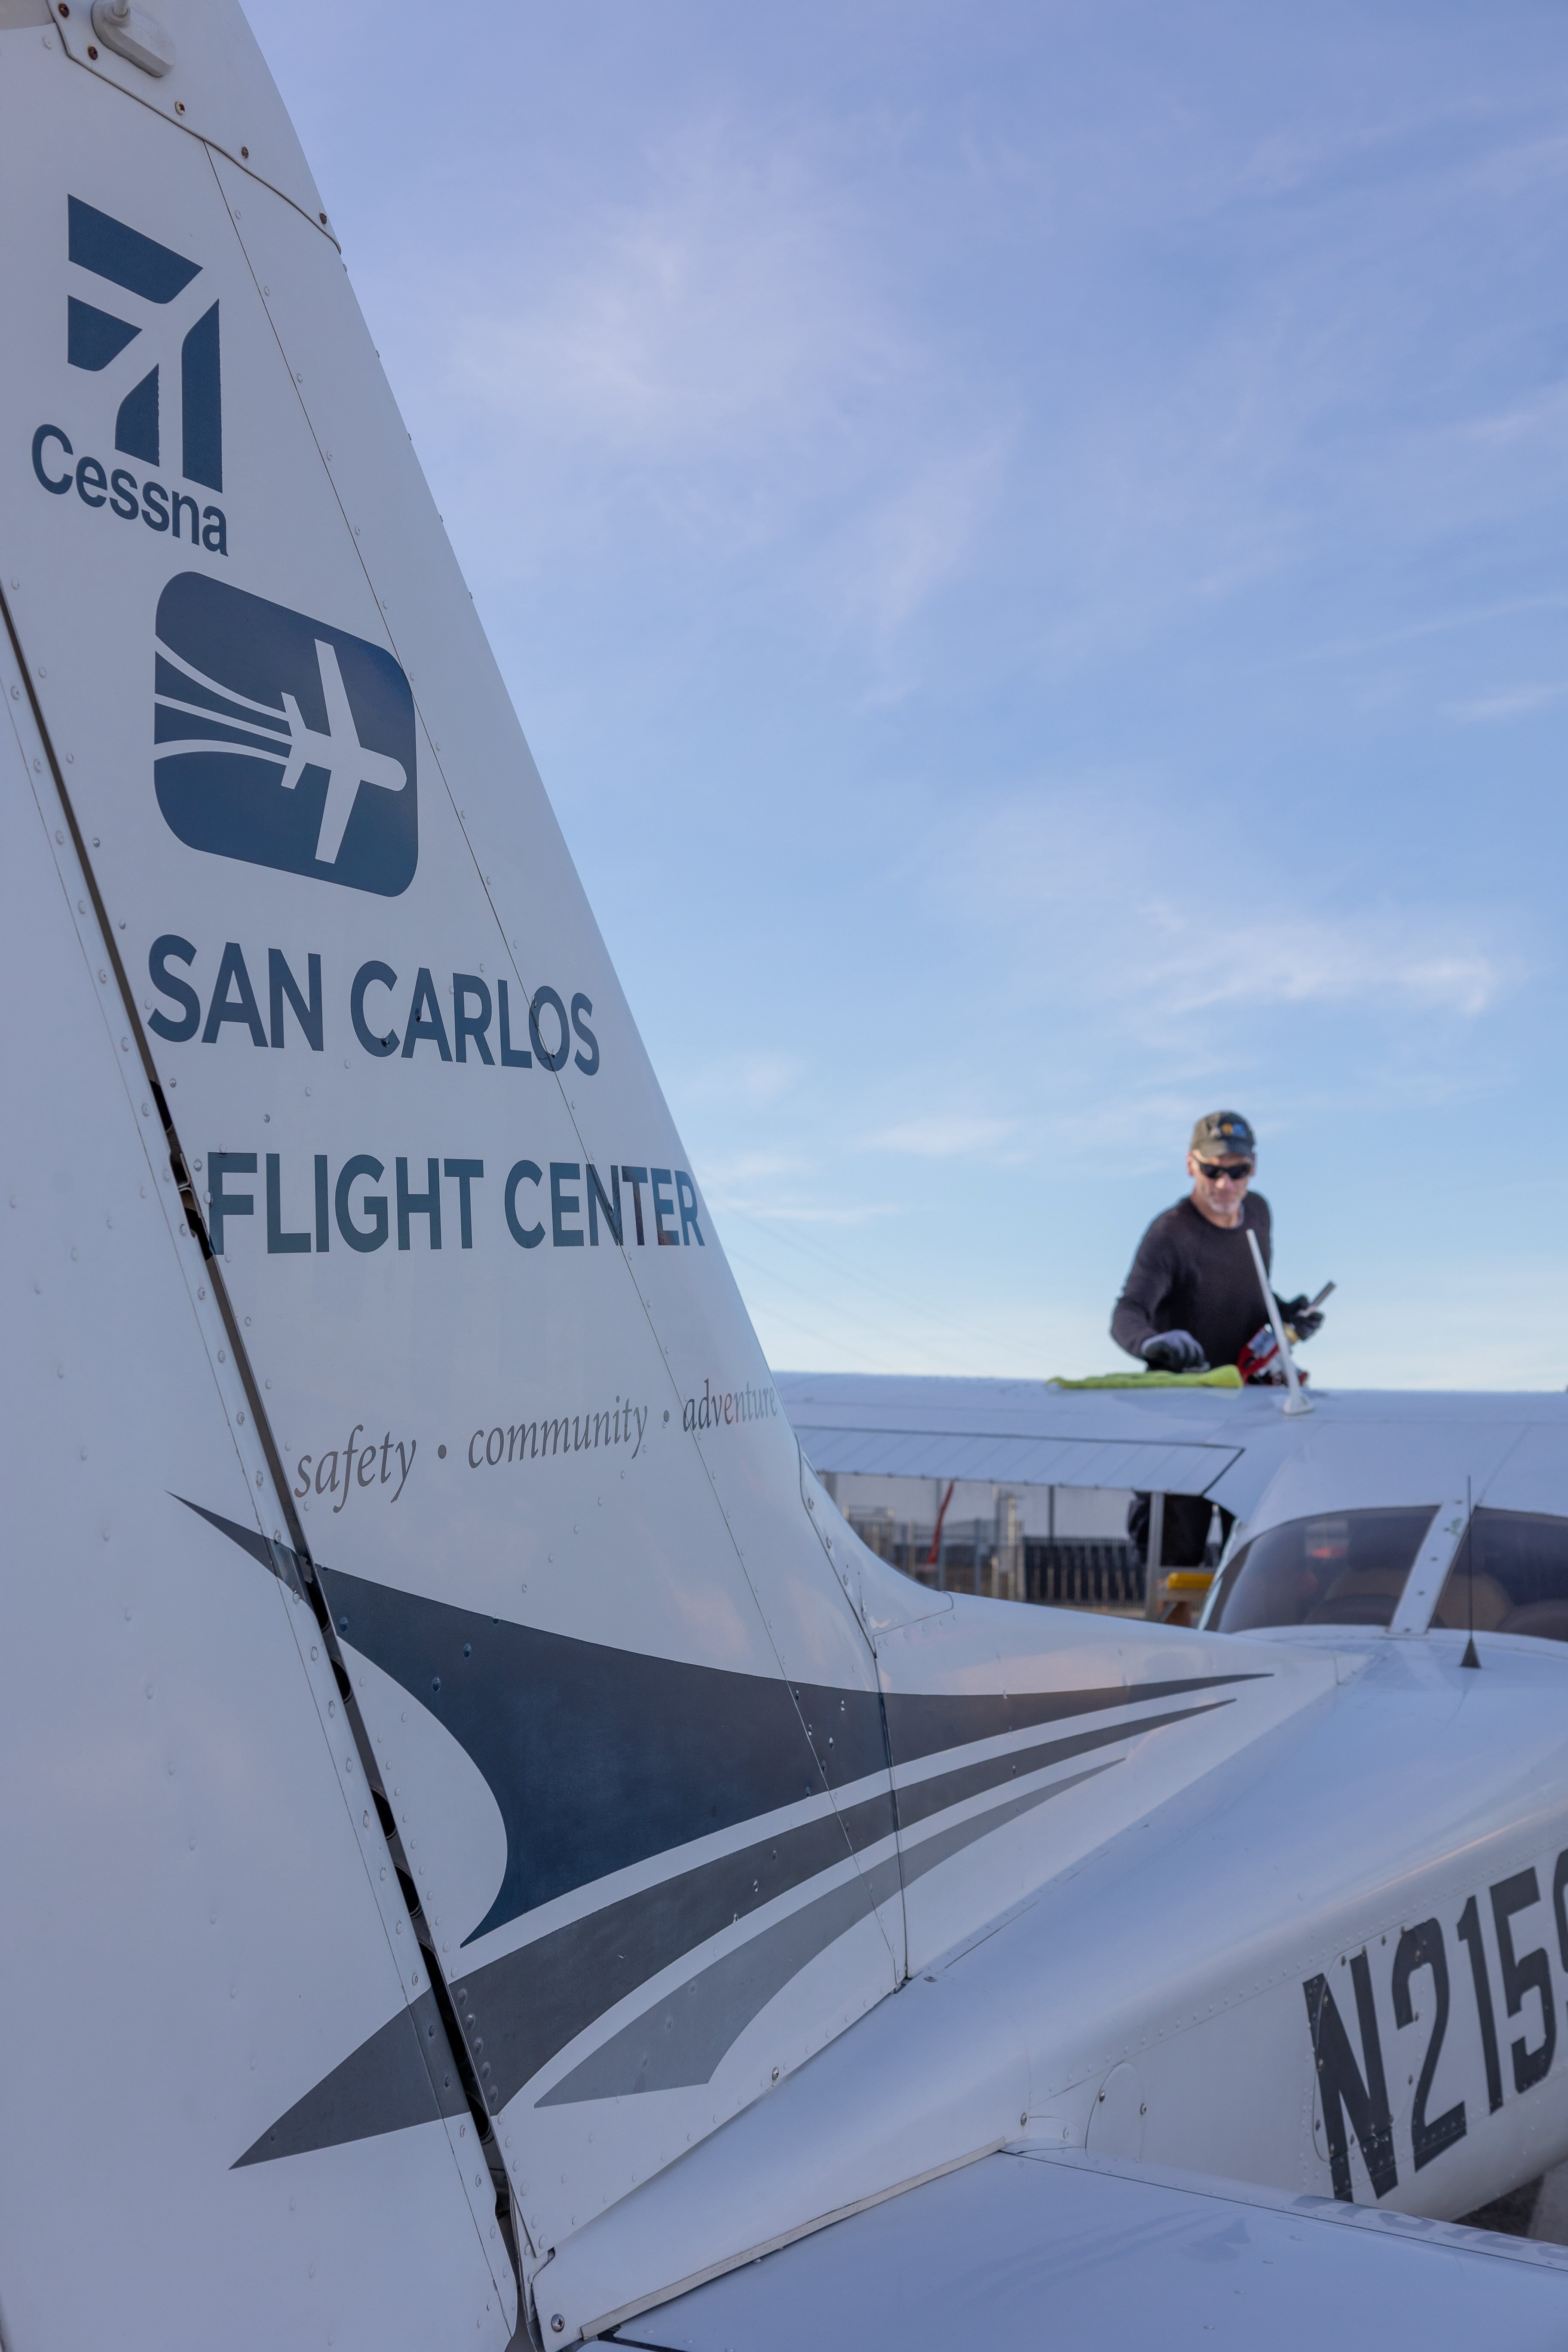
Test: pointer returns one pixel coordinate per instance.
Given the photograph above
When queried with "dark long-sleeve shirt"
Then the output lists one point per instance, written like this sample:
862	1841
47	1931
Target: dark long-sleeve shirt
1190	1275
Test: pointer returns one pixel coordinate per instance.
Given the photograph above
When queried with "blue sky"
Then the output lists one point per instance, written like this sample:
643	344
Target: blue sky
1030	546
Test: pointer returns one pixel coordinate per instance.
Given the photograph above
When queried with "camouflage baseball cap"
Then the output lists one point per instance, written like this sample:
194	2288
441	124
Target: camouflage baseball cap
1223	1135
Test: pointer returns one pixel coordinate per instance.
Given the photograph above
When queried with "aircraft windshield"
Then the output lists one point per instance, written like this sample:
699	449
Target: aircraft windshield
1346	1567
1512	1568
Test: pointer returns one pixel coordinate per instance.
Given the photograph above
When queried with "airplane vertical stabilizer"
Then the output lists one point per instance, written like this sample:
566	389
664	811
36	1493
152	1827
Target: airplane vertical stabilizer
471	1415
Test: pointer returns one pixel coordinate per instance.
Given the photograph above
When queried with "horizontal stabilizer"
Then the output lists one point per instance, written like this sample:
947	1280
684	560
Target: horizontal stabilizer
1027	2247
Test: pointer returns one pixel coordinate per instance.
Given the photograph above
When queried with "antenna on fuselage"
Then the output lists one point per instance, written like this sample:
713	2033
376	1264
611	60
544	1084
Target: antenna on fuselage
1470	1657
1297	1401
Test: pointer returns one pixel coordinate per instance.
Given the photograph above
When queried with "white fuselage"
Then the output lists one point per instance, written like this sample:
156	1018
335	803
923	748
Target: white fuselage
1152	2000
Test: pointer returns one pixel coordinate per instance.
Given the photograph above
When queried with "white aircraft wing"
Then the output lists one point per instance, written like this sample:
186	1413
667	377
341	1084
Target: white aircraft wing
1174	1441
1234	1445
1025	2247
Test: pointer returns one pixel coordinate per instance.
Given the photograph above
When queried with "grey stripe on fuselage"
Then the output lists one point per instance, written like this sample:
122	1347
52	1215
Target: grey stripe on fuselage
527	2005
541	1997
681	2041
403	2075
601	1760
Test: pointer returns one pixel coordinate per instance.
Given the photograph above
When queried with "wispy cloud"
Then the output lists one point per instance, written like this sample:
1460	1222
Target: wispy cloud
940	1136
726	1177
841	1213
757	1076
1172	913
715	364
889	561
1387	959
719	312
1509	702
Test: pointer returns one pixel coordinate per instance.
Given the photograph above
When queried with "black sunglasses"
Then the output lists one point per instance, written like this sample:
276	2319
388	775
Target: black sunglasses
1214	1171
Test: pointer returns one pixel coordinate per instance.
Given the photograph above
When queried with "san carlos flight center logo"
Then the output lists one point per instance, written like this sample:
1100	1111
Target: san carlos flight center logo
282	740
278	740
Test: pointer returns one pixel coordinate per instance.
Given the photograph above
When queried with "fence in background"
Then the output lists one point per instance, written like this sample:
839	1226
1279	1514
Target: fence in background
1105	1574
990	1557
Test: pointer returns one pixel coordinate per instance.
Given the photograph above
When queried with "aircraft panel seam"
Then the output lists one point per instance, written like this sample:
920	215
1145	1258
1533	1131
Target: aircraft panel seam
606	2321
644	1304
508	944
67	34
249	1386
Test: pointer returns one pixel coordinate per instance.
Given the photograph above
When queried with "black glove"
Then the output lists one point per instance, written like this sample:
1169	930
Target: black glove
1300	1315
1173	1351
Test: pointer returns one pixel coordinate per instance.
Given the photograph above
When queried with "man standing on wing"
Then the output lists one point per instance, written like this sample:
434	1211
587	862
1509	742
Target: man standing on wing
1191	1300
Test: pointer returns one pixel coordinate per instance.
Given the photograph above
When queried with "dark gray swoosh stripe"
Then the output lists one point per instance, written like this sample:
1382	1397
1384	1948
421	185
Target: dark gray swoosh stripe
924	1724
530	2005
600	1759
681	2041
520	2009
389	2083
531	2002
917	1799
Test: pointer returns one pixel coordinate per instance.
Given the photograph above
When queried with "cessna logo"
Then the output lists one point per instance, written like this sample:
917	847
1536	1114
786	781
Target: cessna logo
156	355
282	740
97	339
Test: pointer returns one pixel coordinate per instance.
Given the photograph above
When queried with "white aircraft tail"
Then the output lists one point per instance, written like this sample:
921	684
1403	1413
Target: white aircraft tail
481	1759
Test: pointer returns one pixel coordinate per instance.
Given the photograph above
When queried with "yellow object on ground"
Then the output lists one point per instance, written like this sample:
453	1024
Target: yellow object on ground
1227	1377
1189	1579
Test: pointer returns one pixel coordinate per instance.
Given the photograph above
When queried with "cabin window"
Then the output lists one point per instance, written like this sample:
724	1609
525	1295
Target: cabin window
1344	1567
1511	1568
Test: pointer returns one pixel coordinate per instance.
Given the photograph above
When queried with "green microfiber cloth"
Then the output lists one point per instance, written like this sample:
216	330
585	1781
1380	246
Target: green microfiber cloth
1227	1377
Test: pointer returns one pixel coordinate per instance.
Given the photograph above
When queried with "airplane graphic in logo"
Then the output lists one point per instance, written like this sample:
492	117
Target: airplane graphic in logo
156	277
340	752
266	724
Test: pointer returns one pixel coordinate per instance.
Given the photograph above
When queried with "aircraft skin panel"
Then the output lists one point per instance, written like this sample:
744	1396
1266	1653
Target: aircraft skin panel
984	2253
1317	1890
1364	1471
1234	1445
293	520
543	1428
1531	1476
1139	1751
507	865
1006	1460
217	89
721	1389
1266	1976
542	1475
194	1928
1133	1412
659	1511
